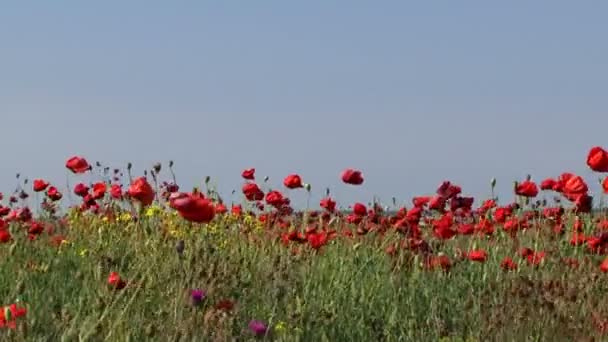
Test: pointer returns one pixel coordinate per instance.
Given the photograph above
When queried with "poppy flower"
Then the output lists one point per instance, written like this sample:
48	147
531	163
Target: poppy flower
225	305
252	192
141	190
193	207
40	185
507	264
248	174
115	282
99	190
351	176
116	191
548	184
9	315
274	198
317	240
478	255
605	185
5	236
604	265
81	190
328	204
293	181
54	194
526	189
597	159
78	165
359	209
258	328
220	208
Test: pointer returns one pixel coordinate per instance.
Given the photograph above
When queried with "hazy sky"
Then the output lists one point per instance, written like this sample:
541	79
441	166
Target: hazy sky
411	93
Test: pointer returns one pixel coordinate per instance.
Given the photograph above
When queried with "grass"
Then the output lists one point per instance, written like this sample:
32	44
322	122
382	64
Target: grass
351	289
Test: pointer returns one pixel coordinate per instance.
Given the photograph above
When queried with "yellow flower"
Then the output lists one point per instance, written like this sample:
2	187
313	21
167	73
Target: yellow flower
125	217
83	252
281	327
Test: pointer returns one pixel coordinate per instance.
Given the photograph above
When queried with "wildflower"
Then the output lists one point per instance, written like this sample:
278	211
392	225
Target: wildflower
115	281
526	189
477	255
293	181
197	296
142	191
597	159
604	265
258	328
193	207
225	305
280	327
507	264
9	315
248	174
351	176
78	165
40	185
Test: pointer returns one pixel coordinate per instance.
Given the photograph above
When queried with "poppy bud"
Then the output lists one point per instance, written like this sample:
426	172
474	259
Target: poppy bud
129	166
157	167
493	182
307	187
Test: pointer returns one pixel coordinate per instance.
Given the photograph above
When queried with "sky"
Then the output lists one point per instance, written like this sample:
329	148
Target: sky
410	92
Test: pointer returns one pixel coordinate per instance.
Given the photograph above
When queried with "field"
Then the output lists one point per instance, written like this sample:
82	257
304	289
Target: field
137	259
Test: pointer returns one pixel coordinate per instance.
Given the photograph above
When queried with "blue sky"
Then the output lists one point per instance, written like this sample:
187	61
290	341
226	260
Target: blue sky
411	93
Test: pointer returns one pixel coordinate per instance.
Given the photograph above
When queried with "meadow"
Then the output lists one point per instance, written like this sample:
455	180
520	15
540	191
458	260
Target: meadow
139	259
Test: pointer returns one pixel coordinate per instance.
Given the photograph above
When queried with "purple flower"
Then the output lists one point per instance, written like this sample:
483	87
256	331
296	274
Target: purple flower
197	296
258	328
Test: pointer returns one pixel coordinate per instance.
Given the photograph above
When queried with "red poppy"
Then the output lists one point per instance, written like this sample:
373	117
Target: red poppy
507	264
141	190
78	165
220	208
40	185
526	189
317	240
359	209
99	190
274	198
478	255
81	190
248	174
293	181
193	207
236	210
252	192
225	305
54	194
115	282
116	191
597	159
604	265
328	204
351	176
605	185
573	184
5	236
448	190
13	312
548	184
421	201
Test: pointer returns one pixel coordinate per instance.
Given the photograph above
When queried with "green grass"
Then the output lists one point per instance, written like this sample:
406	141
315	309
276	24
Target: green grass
349	290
